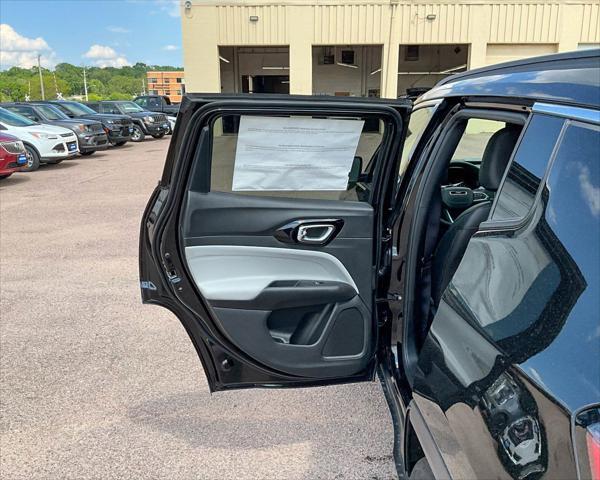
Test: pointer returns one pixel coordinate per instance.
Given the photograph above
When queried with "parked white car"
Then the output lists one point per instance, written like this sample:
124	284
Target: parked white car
43	143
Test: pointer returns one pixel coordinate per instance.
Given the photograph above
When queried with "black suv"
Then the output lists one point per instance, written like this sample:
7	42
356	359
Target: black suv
158	103
144	122
118	128
90	134
454	253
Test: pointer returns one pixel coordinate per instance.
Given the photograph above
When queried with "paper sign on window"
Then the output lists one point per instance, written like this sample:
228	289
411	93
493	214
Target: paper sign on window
280	153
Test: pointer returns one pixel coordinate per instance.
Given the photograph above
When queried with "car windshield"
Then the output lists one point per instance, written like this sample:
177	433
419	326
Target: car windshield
14	120
129	107
77	108
51	112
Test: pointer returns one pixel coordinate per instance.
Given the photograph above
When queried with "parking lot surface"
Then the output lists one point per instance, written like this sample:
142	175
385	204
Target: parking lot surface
96	385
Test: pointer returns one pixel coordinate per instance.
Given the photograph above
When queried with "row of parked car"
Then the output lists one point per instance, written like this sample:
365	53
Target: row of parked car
48	132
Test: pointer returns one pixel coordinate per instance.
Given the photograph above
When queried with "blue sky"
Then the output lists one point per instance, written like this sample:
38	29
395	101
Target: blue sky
90	32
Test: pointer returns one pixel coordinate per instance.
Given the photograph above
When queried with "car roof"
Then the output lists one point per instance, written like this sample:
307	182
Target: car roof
567	78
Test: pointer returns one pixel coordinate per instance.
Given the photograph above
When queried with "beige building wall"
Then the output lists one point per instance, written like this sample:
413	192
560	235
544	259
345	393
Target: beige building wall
494	31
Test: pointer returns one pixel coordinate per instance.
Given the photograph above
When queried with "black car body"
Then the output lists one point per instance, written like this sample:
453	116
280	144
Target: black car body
158	103
118	128
90	134
147	123
464	273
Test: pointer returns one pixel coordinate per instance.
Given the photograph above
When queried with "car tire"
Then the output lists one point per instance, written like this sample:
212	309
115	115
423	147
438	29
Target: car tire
2	177
33	159
87	154
138	134
421	471
119	144
160	135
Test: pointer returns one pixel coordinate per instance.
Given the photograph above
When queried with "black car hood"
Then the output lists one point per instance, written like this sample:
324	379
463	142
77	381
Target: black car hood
104	116
71	122
143	114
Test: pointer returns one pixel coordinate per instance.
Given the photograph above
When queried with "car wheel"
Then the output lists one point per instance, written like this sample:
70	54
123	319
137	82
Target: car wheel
87	154
137	135
33	159
421	471
160	135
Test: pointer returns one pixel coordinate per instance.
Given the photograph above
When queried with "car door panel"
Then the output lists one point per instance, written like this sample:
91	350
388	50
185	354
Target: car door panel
289	305
272	290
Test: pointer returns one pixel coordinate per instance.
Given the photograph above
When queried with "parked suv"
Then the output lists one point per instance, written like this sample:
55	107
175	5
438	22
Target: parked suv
454	253
90	133
144	122
43	143
118	128
157	103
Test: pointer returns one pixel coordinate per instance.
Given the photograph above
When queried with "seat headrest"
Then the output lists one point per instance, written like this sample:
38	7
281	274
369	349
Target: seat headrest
496	156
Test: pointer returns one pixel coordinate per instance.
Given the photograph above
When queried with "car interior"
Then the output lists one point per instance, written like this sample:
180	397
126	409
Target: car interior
469	165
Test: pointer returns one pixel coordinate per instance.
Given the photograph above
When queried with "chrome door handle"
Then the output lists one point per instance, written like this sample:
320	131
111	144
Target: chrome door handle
316	231
315	234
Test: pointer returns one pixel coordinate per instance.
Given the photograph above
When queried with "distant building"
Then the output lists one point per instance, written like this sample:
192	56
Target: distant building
369	47
171	84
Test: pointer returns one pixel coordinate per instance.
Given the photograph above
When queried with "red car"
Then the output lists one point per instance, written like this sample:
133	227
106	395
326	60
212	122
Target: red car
12	155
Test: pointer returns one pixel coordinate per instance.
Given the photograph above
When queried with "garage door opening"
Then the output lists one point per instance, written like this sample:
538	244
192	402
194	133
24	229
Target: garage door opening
420	67
347	70
254	69
265	83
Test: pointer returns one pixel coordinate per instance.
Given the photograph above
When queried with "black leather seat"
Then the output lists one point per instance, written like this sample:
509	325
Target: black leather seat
453	244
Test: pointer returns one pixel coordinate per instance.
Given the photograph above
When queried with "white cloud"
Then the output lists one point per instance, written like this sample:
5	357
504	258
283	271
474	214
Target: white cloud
591	192
171	7
170	48
105	56
20	51
116	29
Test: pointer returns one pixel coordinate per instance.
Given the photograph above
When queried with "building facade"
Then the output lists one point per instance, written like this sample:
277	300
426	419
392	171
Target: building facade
169	83
369	48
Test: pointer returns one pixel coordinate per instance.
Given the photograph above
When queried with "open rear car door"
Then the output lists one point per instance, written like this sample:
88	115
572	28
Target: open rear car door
267	236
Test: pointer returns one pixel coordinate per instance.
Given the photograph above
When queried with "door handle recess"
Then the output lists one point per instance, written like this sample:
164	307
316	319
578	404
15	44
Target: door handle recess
310	232
317	233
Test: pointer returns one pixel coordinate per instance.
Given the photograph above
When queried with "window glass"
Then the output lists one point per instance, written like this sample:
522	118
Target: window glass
419	119
520	187
299	156
13	119
475	138
154	102
142	102
51	112
129	107
76	108
543	282
25	111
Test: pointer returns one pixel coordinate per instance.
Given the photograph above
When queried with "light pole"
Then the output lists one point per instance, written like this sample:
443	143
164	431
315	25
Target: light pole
41	79
85	85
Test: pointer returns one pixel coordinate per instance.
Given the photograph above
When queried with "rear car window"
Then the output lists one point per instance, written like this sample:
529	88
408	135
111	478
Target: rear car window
297	156
519	189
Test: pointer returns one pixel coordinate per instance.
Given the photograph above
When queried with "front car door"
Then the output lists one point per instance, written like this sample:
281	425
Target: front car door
267	240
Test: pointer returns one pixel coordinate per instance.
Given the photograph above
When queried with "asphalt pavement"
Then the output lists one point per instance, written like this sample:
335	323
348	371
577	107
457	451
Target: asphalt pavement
95	385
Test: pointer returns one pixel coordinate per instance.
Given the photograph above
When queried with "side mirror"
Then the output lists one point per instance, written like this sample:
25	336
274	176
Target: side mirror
355	171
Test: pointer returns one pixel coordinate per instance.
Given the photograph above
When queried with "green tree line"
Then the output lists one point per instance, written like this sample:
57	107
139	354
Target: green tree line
107	83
